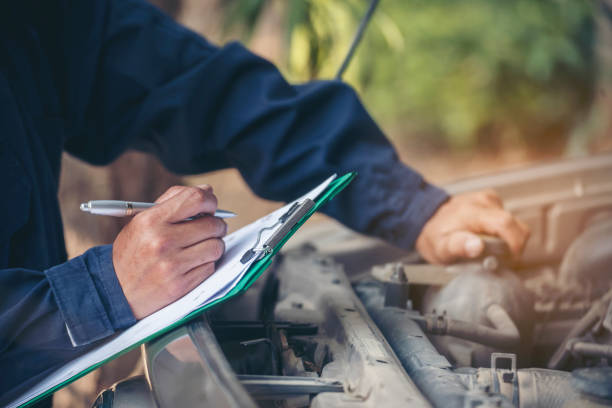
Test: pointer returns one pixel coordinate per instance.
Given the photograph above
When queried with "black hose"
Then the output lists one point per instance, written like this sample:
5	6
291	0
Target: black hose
504	335
592	349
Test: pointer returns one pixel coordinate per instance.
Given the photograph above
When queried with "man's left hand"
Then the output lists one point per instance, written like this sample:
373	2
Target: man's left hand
451	233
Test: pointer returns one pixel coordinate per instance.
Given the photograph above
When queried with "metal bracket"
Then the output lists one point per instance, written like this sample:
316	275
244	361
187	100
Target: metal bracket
509	377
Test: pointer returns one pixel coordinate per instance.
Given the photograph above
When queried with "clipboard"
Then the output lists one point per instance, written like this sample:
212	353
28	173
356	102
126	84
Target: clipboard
264	255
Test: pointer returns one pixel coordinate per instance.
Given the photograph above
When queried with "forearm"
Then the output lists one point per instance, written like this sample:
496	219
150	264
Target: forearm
165	90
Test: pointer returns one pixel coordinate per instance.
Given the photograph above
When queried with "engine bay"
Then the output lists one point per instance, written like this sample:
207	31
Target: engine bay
341	320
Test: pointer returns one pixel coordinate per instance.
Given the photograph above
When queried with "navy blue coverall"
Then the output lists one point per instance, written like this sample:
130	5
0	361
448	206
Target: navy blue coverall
97	77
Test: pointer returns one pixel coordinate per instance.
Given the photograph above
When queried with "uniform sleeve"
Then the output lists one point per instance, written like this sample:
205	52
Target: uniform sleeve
127	76
74	304
153	85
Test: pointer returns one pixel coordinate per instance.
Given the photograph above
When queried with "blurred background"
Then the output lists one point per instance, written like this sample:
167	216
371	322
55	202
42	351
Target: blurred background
462	88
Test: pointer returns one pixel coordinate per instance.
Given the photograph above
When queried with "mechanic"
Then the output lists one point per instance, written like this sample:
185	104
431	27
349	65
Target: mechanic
96	78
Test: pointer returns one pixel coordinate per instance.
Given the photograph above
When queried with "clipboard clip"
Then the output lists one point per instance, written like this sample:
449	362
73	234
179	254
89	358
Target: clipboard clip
287	221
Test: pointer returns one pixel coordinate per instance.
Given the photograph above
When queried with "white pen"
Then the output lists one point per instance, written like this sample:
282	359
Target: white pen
118	208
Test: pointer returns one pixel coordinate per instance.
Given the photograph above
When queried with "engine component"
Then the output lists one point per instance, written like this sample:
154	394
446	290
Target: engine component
496	254
595	381
485	299
587	264
397	290
306	322
536	387
503	336
590	337
314	289
431	371
493	386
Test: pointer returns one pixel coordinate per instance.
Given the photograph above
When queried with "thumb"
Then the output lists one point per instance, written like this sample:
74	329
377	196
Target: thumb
461	244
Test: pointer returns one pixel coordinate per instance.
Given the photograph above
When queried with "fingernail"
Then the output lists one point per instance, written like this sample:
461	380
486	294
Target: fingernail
473	247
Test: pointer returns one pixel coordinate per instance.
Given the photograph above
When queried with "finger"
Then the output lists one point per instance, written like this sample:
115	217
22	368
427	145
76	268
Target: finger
524	227
489	198
169	193
457	245
197	230
504	225
494	198
205	187
207	251
174	190
187	203
199	274
526	233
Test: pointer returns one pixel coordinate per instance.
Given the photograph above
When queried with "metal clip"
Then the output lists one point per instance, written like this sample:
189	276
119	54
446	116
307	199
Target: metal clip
287	221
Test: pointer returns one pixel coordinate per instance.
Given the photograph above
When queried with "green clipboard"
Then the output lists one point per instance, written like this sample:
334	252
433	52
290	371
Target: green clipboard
255	270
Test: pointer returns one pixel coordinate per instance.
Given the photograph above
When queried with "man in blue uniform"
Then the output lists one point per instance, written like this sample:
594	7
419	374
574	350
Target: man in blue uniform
95	78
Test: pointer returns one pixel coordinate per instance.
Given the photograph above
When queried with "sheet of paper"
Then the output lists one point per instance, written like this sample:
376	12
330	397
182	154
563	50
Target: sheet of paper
228	273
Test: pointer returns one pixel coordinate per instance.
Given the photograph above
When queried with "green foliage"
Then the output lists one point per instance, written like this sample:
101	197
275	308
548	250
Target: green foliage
459	71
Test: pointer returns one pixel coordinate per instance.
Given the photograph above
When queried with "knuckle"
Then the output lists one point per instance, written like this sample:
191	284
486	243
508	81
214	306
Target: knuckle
220	227
158	245
165	268
211	199
217	248
143	219
208	269
488	197
203	195
483	195
490	193
170	192
211	226
197	193
175	189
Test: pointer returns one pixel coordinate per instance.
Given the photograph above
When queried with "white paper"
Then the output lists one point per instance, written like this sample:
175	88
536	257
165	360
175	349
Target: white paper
228	273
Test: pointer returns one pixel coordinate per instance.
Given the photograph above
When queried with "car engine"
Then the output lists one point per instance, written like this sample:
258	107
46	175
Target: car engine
341	320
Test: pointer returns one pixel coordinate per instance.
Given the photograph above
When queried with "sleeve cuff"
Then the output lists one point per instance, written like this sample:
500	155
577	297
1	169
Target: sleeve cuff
423	206
89	296
99	261
406	202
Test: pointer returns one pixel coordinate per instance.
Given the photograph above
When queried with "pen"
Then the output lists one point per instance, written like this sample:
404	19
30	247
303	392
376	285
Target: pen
118	208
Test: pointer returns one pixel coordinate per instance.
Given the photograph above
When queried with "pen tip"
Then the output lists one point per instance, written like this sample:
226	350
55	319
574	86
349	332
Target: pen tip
85	207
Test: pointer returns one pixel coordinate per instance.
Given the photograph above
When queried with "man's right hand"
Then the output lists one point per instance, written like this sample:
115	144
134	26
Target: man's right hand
159	257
